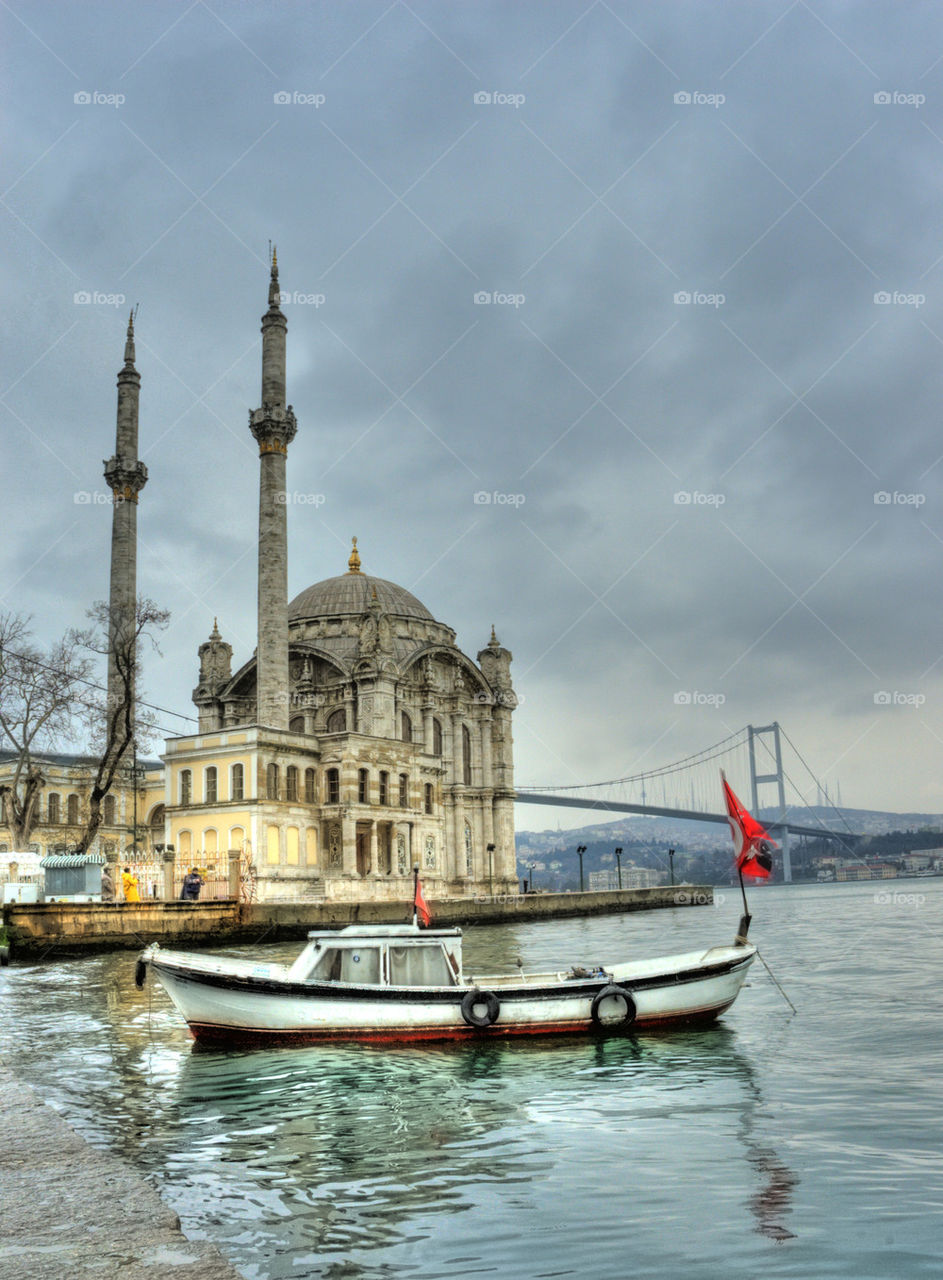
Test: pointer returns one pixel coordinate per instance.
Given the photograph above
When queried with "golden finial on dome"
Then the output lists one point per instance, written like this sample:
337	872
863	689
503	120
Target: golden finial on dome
494	638
353	564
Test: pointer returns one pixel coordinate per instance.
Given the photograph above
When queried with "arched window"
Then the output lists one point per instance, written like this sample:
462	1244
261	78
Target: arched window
404	790
210	787
429	798
186	786
271	782
436	738
333	786
363	786
54	814
108	811
297	724
72	810
466	756
311	786
384	787
237	782
407	727
337	721
291	783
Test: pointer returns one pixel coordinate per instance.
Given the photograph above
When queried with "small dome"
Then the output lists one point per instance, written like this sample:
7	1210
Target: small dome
352	594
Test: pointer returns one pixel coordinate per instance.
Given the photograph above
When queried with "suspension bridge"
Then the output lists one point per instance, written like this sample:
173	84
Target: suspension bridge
752	759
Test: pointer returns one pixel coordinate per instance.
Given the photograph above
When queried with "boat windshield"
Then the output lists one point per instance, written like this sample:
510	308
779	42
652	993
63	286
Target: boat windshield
422	966
348	964
410	965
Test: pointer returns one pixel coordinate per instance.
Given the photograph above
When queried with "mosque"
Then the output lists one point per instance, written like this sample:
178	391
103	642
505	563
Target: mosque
356	743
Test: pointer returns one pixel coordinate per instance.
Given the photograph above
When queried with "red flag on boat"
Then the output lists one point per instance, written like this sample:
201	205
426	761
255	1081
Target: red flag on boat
419	906
752	844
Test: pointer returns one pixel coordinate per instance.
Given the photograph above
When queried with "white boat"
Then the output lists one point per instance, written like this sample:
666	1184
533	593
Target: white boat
401	983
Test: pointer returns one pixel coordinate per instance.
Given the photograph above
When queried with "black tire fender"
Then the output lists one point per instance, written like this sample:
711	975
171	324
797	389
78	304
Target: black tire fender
472	1000
609	993
140	972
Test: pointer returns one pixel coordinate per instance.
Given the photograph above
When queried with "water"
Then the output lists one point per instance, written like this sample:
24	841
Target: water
791	1146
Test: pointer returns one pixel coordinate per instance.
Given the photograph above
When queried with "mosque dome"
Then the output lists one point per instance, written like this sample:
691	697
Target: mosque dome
352	593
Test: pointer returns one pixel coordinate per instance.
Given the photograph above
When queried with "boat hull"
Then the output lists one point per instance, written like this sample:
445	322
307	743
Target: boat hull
243	1004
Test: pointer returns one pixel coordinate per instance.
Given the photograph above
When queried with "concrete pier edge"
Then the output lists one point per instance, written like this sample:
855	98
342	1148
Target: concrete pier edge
70	1209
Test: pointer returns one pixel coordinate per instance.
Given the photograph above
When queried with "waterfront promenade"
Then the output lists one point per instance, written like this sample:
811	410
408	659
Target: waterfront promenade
72	1210
48	931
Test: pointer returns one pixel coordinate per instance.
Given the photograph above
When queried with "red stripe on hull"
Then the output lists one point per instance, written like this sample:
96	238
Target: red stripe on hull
210	1033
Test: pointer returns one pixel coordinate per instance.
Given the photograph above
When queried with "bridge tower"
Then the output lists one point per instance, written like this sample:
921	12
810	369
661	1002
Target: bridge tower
777	777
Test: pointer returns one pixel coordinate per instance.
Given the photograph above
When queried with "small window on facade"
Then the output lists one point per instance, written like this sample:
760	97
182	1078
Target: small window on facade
384	787
404	790
108	811
363	784
54	814
429	797
211	788
271	782
237	782
407	726
297	724
333	786
337	721
436	738
466	756
311	786
291	783
72	810
186	784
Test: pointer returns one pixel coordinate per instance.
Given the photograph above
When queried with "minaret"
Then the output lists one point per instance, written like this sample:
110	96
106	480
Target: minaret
126	477
274	427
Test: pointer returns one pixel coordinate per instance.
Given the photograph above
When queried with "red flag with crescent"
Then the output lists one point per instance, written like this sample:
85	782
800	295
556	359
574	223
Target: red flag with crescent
753	846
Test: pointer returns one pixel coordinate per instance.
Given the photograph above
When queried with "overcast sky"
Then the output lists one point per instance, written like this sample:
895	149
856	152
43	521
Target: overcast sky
705	400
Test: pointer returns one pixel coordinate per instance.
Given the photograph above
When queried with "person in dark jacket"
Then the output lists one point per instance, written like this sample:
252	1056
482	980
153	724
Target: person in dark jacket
192	884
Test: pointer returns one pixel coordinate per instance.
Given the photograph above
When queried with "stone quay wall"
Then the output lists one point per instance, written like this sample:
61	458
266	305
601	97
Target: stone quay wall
52	930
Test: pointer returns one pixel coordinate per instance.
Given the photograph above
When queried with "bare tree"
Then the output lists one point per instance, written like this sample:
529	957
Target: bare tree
39	694
121	723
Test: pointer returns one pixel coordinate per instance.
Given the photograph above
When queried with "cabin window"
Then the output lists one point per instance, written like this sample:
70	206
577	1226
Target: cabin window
436	738
404	790
271	782
54	808
237	782
384	787
291	783
210	788
363	786
108	811
311	786
333	786
72	810
337	721
348	964
419	966
186	786
407	727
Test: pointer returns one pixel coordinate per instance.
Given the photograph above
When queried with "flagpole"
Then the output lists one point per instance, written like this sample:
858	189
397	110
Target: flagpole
415	896
745	919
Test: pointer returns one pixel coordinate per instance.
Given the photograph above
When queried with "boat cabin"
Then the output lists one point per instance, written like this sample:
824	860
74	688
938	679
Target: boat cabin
382	955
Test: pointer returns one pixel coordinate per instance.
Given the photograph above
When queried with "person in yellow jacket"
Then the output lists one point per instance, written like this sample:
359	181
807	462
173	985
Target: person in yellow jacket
129	884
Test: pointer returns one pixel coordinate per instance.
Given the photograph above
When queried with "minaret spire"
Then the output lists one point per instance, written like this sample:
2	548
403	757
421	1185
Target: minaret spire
274	427
126	477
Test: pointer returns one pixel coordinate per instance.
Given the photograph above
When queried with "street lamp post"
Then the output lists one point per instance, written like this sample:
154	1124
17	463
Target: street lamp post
581	849
671	864
619	865
491	867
